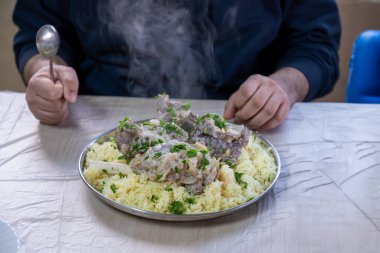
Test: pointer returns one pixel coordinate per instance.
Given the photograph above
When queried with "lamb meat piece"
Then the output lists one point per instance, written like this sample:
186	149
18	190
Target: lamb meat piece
176	111
225	140
178	162
130	133
132	138
127	131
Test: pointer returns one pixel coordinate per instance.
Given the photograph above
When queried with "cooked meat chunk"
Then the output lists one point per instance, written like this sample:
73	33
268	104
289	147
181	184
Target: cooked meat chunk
161	148
132	138
178	162
176	111
225	140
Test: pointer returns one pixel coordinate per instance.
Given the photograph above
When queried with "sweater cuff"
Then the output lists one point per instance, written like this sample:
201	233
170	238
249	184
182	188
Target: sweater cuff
25	54
312	71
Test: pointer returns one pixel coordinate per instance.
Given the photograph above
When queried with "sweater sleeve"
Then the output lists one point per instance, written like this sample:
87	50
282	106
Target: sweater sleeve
29	16
309	40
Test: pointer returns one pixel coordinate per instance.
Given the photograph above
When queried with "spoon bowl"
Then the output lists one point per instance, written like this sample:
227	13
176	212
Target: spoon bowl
48	42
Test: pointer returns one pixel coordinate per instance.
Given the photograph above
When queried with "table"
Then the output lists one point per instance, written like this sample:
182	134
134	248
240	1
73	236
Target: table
327	198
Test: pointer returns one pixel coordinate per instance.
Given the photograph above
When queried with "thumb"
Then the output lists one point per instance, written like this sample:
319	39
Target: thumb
229	110
70	83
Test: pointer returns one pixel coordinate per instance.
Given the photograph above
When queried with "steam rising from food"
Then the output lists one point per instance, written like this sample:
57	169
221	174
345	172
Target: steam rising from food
170	45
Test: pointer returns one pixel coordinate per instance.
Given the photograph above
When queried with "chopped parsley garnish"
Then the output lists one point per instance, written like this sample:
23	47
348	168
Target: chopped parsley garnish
154	198
104	171
205	151
168	188
178	147
147	123
158	177
146	158
176	169
176	207
186	106
218	121
204	163
113	188
238	176
171	111
172	128
239	180
121	175
101	190
230	163
139	146
190	200
154	143
122	157
202	118
126	123
157	155
191	153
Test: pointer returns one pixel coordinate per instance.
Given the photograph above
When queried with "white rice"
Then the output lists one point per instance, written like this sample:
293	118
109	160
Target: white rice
256	163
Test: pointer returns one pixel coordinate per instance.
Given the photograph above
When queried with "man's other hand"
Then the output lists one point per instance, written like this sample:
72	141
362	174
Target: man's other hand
259	103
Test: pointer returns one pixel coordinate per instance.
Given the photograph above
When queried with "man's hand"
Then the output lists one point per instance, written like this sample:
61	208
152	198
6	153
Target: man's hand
260	103
264	102
46	99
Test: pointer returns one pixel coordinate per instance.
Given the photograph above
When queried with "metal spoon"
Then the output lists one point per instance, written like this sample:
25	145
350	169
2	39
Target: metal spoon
47	41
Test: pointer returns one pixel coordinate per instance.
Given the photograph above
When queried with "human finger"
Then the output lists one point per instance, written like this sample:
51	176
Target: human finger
229	110
44	87
35	100
239	98
255	104
69	80
268	111
51	106
278	118
52	118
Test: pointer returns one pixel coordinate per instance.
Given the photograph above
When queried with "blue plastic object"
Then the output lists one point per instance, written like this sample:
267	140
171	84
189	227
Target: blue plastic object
364	76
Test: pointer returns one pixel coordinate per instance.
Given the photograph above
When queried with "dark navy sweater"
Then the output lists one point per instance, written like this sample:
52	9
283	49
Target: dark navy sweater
248	37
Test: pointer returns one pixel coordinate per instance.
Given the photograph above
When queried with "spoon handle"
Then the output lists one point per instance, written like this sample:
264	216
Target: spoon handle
51	69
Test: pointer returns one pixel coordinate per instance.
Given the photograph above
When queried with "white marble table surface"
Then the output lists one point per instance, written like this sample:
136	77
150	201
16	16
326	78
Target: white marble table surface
327	198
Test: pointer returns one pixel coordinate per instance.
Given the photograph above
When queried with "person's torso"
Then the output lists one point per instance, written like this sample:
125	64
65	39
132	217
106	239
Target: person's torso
198	50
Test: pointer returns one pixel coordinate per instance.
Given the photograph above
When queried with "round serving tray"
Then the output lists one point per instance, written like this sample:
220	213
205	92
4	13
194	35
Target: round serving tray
172	217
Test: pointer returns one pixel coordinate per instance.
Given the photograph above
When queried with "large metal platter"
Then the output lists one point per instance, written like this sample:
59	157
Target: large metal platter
172	217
